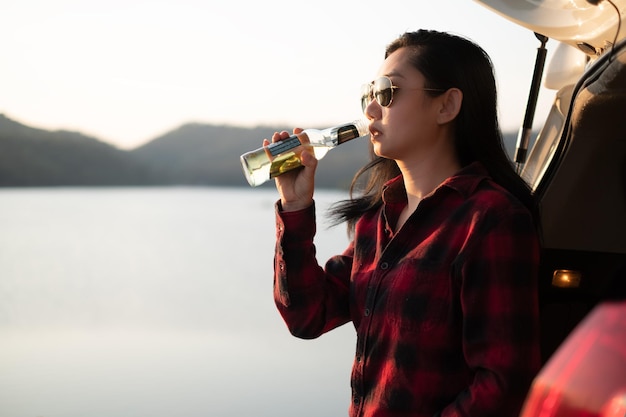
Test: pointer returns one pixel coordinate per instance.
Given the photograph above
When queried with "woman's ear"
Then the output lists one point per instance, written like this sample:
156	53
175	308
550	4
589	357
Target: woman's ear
451	102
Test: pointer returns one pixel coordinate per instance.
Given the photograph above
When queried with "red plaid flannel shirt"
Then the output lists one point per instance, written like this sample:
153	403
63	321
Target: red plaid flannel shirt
445	311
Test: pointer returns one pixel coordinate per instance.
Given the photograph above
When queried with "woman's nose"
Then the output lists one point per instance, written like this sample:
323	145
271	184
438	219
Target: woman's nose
372	110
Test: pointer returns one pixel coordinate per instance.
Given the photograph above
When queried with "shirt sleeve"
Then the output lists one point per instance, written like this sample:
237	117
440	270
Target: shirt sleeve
498	276
312	300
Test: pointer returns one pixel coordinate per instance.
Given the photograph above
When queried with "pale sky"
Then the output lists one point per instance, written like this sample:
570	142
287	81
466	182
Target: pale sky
127	71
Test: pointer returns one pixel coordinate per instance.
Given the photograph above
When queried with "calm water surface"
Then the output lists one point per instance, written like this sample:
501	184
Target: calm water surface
132	302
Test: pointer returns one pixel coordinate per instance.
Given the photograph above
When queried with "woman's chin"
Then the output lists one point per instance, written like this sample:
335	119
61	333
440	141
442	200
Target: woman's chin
377	147
379	151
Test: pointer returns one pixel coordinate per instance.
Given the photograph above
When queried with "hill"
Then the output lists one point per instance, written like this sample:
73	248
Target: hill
36	157
193	154
200	154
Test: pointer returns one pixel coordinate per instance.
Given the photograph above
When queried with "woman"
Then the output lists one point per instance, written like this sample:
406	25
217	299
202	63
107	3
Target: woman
439	279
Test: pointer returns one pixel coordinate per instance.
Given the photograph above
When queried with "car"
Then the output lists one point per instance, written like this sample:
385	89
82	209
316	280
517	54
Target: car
576	167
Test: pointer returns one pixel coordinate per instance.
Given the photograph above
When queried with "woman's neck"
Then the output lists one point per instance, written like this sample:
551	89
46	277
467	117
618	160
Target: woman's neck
422	179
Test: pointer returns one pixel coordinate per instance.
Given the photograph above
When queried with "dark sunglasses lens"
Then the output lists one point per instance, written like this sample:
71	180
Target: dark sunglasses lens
383	91
366	94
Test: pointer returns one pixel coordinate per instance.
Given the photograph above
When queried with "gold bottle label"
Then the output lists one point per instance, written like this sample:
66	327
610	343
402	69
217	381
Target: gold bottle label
284	163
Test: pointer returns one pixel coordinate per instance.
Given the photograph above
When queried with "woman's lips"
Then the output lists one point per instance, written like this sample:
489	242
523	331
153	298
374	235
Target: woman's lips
373	131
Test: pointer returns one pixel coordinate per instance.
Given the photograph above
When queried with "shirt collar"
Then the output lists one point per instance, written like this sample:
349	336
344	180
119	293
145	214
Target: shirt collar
464	182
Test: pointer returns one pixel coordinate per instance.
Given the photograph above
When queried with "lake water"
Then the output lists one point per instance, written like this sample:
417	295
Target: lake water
133	302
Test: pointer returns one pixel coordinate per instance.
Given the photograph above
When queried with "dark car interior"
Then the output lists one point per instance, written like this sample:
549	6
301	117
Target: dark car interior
581	190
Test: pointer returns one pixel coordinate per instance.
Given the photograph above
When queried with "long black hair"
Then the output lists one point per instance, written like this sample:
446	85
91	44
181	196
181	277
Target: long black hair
446	61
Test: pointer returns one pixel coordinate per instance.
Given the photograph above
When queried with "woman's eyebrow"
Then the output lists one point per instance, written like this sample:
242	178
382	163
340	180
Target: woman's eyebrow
396	74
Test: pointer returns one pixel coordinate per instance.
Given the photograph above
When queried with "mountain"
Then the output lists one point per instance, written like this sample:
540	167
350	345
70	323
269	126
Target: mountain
193	154
209	154
36	157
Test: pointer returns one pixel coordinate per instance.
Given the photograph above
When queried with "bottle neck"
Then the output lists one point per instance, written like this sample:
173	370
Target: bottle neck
346	132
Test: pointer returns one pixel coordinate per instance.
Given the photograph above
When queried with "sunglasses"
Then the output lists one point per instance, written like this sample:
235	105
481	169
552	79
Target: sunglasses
381	90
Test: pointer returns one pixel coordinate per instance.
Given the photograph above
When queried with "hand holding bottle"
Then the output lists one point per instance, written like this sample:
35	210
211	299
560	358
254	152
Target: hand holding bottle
296	186
283	154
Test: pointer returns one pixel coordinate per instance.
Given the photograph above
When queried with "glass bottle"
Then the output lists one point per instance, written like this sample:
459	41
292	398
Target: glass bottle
275	159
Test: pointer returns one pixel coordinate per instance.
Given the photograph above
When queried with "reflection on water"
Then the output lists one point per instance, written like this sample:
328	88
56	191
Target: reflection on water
155	302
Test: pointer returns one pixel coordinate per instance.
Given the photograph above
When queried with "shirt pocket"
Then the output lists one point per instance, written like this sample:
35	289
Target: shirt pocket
418	296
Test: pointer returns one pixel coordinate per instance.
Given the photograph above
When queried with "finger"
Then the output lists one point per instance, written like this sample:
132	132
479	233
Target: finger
277	136
308	159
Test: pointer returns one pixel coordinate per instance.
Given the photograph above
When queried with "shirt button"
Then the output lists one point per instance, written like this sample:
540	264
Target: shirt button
358	358
367	312
356	400
384	266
